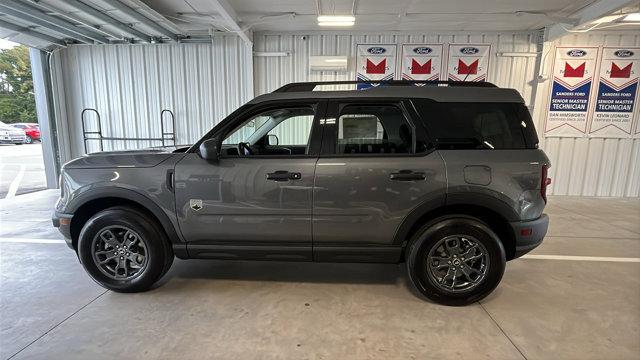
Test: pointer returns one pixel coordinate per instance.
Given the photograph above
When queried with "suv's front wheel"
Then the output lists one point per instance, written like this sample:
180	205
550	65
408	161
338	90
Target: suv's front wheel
455	260
124	250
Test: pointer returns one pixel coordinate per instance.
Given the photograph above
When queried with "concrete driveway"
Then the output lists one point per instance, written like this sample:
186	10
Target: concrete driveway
21	170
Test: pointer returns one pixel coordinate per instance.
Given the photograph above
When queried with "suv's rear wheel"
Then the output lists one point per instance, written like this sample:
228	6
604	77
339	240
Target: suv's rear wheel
455	260
124	250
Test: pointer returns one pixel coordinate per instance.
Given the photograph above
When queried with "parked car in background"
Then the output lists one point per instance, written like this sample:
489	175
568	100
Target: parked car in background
11	135
32	131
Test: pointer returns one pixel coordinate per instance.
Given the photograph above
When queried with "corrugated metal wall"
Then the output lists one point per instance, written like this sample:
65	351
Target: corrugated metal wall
130	85
272	72
201	83
589	166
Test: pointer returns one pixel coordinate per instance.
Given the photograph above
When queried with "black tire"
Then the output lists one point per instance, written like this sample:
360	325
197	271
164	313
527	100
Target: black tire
420	270
158	254
28	140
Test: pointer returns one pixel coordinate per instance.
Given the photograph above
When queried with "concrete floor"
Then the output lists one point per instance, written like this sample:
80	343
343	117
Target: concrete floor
21	169
561	309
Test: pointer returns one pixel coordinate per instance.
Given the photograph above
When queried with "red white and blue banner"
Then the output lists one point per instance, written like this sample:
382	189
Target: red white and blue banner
468	62
617	94
422	62
375	62
574	71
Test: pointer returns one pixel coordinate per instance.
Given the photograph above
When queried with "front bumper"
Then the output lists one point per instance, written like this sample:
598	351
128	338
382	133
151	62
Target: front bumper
529	234
63	222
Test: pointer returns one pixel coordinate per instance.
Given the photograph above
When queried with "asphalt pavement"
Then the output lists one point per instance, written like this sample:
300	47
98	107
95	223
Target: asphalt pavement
21	170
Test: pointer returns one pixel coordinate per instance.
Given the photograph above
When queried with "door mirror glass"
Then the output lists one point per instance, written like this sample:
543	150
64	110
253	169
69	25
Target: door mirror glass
272	140
210	149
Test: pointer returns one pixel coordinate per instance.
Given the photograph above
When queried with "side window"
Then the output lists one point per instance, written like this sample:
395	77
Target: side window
373	129
294	130
282	131
476	125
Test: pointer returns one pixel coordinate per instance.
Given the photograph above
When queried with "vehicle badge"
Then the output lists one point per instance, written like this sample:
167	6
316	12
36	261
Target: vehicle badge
195	204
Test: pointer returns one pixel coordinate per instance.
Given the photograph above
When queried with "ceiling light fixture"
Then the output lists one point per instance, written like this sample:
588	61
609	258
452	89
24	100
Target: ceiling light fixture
632	17
336	20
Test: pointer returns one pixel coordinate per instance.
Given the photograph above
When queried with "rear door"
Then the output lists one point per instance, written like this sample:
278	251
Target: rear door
255	202
376	166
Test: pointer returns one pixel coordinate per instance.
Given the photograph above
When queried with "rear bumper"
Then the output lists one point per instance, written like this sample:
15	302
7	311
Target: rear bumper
13	139
529	234
63	222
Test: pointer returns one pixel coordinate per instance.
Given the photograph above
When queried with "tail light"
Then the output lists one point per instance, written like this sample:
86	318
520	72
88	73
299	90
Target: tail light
544	182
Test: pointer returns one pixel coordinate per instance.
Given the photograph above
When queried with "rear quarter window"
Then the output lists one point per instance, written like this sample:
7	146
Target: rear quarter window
470	125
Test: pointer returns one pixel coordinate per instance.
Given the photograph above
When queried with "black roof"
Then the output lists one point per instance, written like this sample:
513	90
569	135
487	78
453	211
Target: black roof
443	91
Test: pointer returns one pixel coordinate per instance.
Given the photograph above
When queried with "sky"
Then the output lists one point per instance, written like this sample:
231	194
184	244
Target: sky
6	44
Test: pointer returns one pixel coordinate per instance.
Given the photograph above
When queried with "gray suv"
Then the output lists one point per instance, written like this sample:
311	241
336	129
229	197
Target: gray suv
446	178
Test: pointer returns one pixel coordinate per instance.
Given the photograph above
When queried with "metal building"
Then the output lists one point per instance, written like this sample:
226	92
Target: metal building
129	71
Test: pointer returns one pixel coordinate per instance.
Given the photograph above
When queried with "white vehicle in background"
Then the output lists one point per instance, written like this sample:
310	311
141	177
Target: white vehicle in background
11	135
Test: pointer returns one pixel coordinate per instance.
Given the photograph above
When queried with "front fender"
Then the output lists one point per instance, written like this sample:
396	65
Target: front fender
165	216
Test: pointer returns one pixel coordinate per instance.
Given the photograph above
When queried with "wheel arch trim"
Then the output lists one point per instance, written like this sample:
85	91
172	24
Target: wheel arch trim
454	204
128	195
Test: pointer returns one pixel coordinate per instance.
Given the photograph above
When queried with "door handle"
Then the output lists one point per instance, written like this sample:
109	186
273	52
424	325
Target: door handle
407	175
283	175
170	179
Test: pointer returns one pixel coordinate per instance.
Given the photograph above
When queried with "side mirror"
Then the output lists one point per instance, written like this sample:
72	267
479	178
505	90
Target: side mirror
272	140
210	149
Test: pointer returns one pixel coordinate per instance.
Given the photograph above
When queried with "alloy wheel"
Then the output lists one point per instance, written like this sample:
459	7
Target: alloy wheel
457	263
119	252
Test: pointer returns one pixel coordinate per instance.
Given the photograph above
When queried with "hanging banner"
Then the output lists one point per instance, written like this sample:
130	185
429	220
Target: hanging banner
573	74
617	93
468	62
422	61
375	62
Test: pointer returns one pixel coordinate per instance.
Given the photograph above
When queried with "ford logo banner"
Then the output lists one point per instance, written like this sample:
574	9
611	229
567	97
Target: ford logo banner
422	50
469	50
576	53
623	53
376	50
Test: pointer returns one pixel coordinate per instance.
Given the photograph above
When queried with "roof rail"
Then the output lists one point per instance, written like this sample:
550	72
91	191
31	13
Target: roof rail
310	86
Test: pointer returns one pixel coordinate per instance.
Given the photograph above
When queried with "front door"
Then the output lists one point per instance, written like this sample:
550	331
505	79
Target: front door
375	167
256	201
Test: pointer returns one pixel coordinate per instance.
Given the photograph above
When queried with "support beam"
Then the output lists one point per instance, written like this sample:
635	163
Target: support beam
84	23
35	12
109	20
149	12
586	15
31	33
141	18
43	93
231	18
41	23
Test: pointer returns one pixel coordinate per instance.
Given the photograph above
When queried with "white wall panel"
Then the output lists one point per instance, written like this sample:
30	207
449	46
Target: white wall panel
589	166
272	72
201	83
581	166
130	84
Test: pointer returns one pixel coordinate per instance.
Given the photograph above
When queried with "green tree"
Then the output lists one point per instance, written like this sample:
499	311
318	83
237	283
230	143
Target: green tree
17	102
